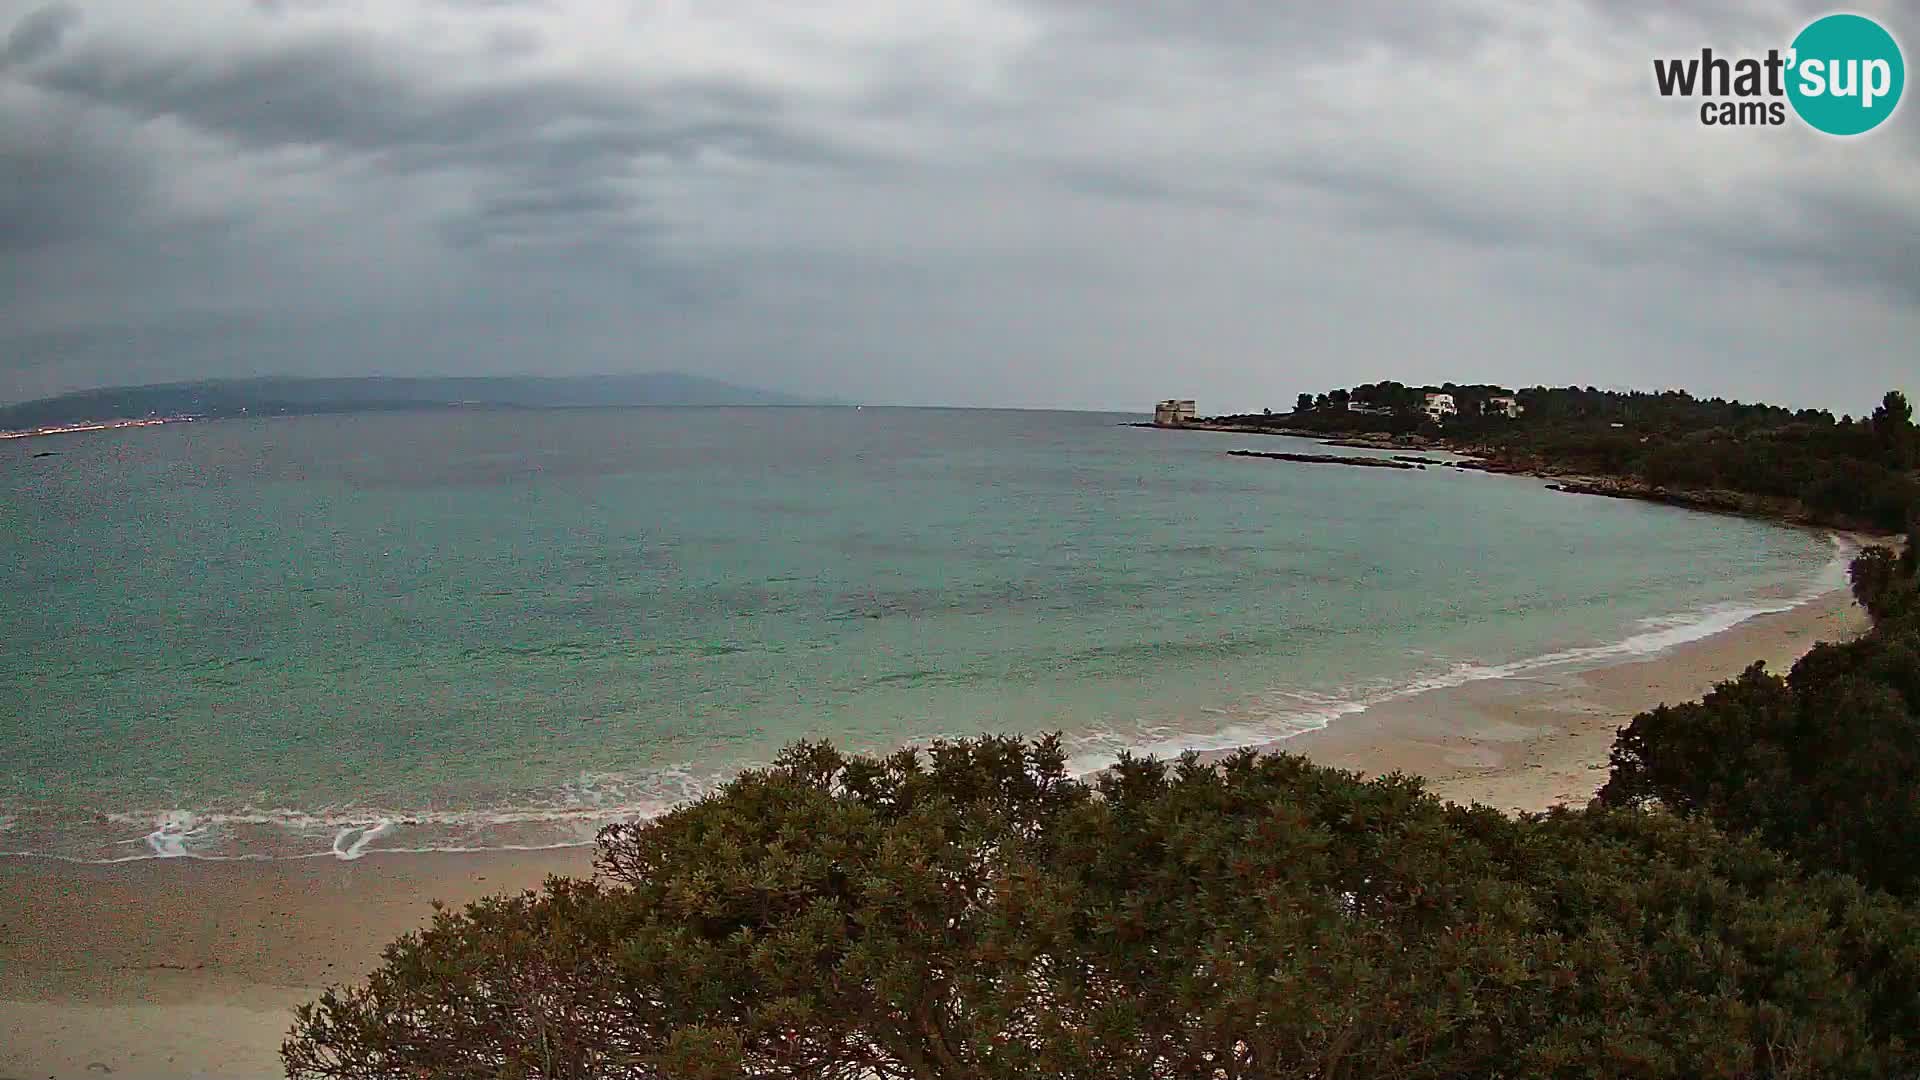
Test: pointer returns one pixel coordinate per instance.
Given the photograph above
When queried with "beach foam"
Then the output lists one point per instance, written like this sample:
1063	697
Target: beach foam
570	816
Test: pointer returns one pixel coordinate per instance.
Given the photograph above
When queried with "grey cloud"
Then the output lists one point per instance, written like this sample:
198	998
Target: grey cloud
327	91
552	214
548	153
1270	29
1821	227
1825	232
65	181
514	42
361	95
1705	19
1057	213
1826	236
1109	182
38	33
1376	195
278	8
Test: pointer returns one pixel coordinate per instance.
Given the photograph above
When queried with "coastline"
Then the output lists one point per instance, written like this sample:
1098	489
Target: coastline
1569	481
181	967
95	425
1535	741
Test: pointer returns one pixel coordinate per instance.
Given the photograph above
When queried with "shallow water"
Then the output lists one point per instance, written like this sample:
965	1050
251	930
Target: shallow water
322	636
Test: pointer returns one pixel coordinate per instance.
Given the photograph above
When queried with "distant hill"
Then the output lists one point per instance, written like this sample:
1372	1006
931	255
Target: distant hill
289	396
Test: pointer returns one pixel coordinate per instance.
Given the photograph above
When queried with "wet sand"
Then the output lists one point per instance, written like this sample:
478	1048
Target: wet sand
178	968
1528	743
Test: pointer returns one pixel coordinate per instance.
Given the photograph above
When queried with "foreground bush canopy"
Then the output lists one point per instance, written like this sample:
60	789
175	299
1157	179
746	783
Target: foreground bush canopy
972	911
1824	763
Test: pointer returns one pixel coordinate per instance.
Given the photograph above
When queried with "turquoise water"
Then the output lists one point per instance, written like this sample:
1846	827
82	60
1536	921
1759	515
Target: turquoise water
341	634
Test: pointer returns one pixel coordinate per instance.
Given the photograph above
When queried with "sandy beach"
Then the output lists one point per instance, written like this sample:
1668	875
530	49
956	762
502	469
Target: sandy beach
178	968
1529	743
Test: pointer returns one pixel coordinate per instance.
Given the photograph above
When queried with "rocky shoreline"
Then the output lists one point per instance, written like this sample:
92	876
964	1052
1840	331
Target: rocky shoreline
1481	459
1708	499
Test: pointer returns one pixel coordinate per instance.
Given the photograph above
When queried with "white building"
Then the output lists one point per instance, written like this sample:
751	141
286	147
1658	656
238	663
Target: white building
1439	405
1173	412
1507	406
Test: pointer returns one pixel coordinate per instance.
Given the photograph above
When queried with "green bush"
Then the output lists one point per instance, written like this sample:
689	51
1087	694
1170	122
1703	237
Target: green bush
1823	764
972	911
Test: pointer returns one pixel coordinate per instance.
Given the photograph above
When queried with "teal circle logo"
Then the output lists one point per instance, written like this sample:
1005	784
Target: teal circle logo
1845	74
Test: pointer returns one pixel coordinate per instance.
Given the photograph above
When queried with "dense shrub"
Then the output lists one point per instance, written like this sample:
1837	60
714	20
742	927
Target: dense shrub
974	912
1823	764
1883	583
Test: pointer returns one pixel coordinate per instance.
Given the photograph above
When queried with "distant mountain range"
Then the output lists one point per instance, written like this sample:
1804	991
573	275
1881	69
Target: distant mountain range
293	397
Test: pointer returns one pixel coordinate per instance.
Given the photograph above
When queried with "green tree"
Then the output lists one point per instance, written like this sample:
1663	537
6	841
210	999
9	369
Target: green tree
974	912
1893	427
1303	403
1823	764
1883	582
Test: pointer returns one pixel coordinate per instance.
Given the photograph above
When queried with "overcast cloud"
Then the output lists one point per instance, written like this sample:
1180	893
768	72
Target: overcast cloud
1077	203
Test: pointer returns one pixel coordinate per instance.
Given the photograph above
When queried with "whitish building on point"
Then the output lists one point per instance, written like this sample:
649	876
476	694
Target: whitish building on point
1173	412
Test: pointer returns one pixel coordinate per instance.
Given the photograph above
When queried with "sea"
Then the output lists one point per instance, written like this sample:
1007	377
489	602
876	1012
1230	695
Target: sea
326	637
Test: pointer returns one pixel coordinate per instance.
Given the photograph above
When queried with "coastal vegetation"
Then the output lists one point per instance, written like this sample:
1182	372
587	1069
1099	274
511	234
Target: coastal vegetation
1823	764
975	912
1803	465
1740	901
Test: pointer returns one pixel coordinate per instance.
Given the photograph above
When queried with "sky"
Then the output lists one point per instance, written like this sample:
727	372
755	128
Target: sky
1031	203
